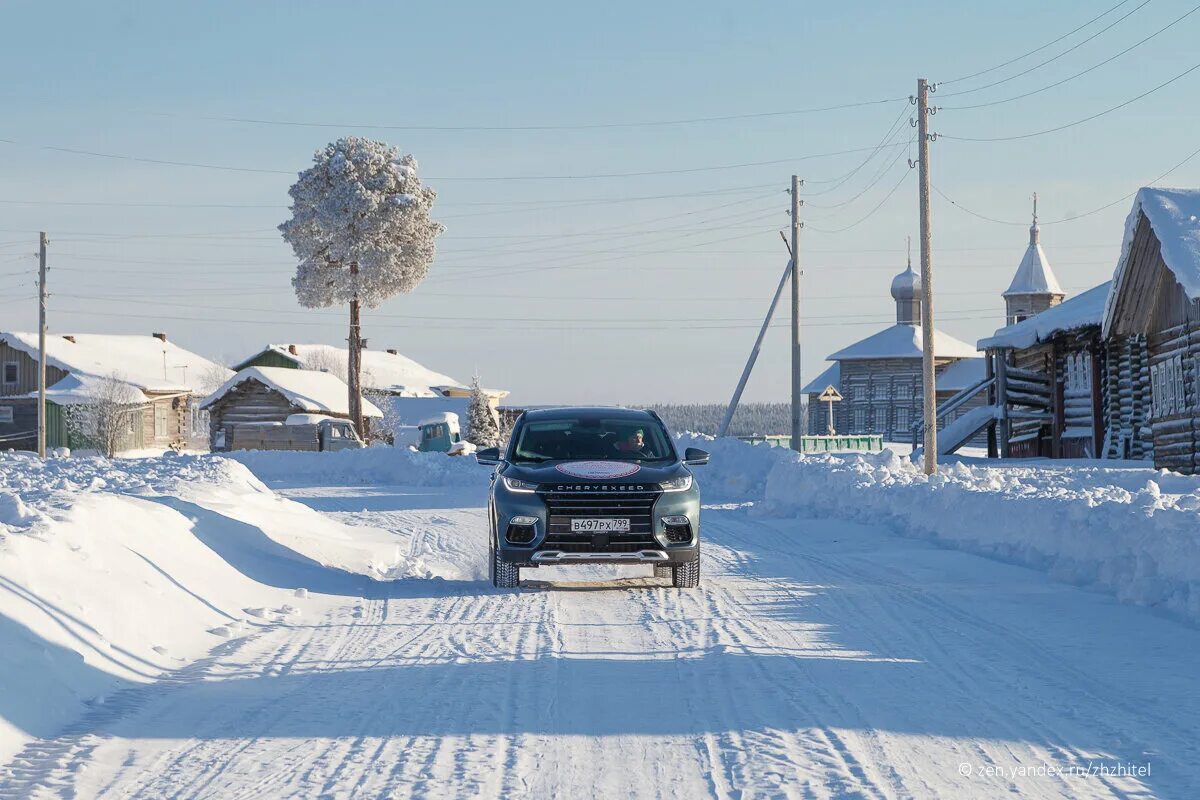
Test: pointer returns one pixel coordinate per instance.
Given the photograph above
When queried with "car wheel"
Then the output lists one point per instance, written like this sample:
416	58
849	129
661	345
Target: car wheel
504	575
686	576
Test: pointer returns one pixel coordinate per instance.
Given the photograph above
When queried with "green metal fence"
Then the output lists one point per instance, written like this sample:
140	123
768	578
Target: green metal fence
863	443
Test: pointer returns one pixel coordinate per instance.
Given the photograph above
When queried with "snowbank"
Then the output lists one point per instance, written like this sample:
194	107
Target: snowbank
113	572
397	466
1131	531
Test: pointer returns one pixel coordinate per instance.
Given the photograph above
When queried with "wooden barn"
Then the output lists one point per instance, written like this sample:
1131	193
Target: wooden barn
1156	295
272	394
162	382
879	377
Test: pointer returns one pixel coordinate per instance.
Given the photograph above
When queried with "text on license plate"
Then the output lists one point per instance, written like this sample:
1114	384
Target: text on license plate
605	525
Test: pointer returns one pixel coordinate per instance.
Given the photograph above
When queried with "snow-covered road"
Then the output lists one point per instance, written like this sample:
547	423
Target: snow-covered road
819	659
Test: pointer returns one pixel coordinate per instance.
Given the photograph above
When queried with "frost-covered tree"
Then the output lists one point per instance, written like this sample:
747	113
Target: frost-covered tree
362	233
483	429
106	414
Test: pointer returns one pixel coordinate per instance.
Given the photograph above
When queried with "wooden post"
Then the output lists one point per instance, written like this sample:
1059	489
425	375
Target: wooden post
1097	403
41	408
989	372
1002	399
797	385
928	375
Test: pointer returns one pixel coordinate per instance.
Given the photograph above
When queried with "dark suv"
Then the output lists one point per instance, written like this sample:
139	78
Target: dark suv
593	486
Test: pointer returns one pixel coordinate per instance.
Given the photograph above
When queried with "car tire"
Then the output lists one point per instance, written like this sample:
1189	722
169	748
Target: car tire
504	575
687	575
664	571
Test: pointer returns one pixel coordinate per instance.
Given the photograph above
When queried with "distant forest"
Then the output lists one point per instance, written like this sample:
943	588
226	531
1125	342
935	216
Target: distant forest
751	418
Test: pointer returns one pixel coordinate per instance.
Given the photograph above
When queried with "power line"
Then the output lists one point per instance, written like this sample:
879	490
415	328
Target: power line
1097	210
1172	24
1053	58
1147	93
1037	49
868	215
557	127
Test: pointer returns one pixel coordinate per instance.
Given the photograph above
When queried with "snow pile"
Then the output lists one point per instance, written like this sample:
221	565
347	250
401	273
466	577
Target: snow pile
1134	532
113	572
396	466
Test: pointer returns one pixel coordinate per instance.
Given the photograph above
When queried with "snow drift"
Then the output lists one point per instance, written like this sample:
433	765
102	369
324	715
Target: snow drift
113	572
397	466
1132	531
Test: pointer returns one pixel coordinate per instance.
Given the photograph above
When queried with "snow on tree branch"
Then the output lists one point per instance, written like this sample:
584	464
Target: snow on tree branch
360	204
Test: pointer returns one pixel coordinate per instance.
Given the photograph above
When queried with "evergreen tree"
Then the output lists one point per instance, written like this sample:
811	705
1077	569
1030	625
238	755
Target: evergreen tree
483	429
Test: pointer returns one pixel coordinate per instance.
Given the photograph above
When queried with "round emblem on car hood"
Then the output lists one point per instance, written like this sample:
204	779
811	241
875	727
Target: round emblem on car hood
598	470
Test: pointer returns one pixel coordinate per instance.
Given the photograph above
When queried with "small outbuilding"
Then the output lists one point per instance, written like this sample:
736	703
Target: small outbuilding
261	395
1156	295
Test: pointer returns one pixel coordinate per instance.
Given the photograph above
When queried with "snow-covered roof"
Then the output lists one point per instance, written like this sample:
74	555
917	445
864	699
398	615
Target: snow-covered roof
444	418
308	390
388	372
829	377
1078	312
1034	275
146	362
1174	214
903	341
961	374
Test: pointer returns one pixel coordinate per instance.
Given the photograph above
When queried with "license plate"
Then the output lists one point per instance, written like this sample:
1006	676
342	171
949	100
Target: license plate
600	525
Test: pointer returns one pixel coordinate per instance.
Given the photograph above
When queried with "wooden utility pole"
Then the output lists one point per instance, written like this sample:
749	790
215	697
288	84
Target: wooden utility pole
41	410
928	377
797	432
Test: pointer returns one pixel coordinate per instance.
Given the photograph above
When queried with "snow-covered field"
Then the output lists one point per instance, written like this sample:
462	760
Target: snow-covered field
185	627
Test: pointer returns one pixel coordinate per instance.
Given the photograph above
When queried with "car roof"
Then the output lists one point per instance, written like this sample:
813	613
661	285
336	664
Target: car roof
568	412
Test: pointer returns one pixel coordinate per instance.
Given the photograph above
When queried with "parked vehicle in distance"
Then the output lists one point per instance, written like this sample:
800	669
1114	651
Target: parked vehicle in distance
593	486
312	432
439	433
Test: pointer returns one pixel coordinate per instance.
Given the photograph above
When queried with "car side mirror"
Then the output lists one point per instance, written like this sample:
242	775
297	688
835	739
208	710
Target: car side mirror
695	457
488	456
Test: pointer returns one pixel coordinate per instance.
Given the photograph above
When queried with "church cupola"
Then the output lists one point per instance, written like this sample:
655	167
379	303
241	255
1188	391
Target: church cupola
1034	288
906	291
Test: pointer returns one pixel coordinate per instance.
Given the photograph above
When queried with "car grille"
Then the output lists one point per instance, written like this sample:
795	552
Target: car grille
565	504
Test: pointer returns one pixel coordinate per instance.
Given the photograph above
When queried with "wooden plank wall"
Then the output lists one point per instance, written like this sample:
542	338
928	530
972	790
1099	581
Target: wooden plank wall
27	372
249	401
1126	398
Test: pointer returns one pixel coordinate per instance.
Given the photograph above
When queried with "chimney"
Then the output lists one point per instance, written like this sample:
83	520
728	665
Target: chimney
70	339
292	349
160	336
392	352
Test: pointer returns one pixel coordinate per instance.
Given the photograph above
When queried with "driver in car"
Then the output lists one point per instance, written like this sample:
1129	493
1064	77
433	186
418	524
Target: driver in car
634	444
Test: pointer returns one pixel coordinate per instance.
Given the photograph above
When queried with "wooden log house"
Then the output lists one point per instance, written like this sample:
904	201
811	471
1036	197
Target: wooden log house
1156	295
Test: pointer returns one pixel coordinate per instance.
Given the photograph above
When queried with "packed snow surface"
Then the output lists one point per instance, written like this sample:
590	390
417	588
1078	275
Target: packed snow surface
318	392
180	627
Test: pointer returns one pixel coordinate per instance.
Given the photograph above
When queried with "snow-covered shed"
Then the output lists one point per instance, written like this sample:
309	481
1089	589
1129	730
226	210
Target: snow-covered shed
411	389
1156	295
272	394
879	377
162	381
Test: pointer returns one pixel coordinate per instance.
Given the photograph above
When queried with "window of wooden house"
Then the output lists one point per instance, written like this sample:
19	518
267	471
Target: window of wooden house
903	390
879	418
1196	382
860	419
6	414
12	373
1167	387
881	390
903	418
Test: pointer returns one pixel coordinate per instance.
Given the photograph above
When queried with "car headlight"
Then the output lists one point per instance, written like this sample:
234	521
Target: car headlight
680	484
514	485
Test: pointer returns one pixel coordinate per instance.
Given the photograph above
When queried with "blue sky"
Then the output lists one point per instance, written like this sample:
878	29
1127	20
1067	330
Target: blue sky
639	299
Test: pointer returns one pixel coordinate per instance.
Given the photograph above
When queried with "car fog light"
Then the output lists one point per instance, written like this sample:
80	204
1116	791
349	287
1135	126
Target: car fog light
523	521
675	520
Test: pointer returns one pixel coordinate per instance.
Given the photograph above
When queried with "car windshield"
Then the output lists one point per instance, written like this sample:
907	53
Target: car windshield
592	438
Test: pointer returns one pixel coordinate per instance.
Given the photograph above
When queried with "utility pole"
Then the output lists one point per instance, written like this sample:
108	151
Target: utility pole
796	384
41	412
354	367
928	377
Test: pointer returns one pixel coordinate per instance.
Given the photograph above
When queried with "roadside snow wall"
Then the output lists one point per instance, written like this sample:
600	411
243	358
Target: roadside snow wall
397	466
1130	531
